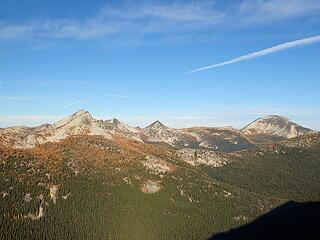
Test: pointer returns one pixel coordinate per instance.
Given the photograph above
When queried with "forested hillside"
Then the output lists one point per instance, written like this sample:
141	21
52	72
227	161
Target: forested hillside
288	170
88	187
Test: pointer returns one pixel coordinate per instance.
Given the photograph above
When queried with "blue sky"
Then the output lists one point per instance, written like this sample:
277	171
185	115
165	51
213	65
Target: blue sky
129	59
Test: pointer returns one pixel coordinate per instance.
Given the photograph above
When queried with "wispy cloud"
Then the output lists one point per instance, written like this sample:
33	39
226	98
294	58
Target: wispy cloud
71	104
278	48
42	46
56	82
118	96
257	11
138	19
14	99
176	11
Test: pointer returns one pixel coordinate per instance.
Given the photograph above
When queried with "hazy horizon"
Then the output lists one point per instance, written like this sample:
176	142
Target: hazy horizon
138	121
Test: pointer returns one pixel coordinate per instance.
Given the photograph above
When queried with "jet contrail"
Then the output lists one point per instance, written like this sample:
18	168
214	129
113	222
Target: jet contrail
261	53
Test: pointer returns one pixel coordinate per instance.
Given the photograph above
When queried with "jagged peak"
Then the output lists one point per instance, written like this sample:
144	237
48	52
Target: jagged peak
115	121
116	125
157	124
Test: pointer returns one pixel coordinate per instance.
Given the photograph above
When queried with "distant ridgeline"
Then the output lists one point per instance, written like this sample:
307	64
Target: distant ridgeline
226	139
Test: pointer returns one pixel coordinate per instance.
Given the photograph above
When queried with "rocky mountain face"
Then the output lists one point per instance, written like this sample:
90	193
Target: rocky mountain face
219	139
268	129
115	127
159	133
273	128
78	123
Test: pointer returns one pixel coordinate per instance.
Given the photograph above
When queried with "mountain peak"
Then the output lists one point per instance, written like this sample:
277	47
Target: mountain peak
115	121
80	113
276	117
274	125
158	132
78	118
157	124
115	125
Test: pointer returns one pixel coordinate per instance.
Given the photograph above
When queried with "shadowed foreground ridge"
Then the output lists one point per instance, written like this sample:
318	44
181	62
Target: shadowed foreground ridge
291	220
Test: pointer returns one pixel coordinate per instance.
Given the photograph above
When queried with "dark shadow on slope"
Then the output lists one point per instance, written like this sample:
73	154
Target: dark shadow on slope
291	220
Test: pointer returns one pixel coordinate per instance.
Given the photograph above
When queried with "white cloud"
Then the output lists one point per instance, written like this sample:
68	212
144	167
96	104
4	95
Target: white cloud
138	19
9	31
14	99
141	18
186	11
257	11
278	48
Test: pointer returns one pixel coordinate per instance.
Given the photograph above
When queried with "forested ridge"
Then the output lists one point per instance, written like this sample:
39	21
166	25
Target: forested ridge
87	187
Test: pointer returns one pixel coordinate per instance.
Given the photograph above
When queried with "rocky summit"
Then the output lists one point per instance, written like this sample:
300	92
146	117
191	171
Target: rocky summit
273	128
